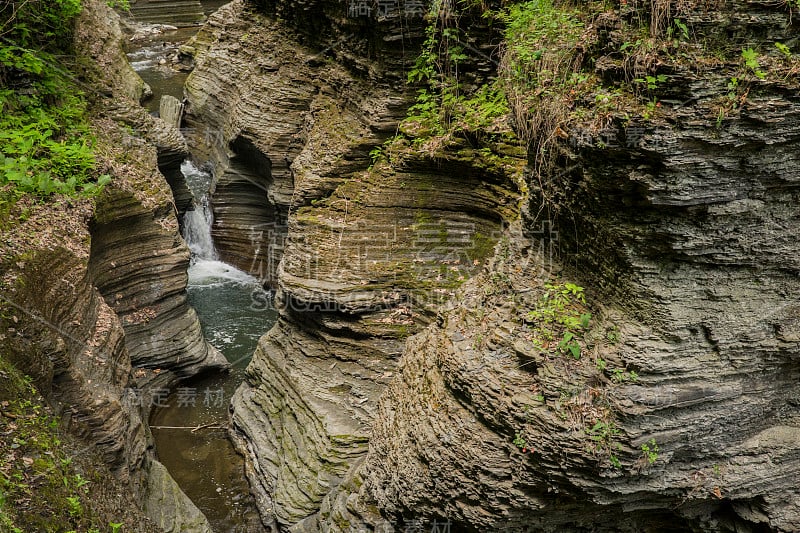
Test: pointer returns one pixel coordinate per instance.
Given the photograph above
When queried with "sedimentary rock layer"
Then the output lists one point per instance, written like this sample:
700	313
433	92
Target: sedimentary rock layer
683	227
178	12
369	255
97	286
139	262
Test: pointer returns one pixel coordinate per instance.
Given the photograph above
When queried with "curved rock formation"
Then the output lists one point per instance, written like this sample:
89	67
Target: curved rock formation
678	409
138	262
369	256
281	125
681	413
97	288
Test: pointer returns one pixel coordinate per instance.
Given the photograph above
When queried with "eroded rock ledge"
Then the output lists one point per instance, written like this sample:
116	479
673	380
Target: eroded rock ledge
369	254
683	238
98	287
683	227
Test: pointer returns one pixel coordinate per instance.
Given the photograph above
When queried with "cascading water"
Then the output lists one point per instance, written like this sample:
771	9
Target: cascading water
190	424
197	231
197	222
203	461
205	266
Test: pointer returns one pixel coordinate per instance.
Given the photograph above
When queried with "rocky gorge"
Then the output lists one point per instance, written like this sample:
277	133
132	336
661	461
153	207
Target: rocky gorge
97	290
576	313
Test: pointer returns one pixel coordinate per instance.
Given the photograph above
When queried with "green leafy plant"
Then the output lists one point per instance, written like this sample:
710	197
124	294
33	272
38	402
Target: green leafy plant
731	99
652	82
561	315
679	29
783	49
45	140
650	451
520	442
603	435
538	31
750	58
630	44
75	507
80	481
123	5
619	375
569	344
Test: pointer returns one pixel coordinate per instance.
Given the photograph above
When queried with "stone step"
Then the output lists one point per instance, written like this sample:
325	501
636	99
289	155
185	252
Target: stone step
175	12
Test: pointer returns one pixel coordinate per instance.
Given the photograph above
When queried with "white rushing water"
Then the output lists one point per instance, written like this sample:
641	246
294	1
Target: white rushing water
197	231
206	269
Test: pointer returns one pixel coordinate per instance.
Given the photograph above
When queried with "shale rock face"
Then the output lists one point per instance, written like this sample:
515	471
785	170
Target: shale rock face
681	230
63	334
98	287
684	226
281	123
369	255
179	12
139	262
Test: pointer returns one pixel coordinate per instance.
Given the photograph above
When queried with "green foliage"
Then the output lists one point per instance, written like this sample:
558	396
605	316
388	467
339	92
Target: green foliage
652	82
122	5
40	487
45	142
561	314
650	451
750	58
39	24
620	375
537	31
679	30
444	108
75	507
783	49
520	442
568	343
604	436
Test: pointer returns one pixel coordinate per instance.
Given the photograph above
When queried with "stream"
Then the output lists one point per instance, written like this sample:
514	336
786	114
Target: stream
203	461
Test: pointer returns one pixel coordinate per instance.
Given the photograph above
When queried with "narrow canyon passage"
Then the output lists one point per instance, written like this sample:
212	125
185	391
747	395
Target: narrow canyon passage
190	422
353	265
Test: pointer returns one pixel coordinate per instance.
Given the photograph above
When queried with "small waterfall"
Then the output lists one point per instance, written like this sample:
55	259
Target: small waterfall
197	231
205	269
197	222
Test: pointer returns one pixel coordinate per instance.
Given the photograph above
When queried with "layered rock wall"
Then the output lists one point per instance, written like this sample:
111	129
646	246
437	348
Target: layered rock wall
178	12
369	254
680	230
96	288
681	226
